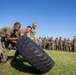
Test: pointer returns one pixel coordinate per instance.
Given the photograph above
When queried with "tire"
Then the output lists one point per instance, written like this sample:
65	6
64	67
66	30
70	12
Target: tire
34	55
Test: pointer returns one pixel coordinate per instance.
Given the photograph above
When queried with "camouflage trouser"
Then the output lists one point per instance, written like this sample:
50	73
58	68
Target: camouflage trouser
44	45
69	48
3	52
65	48
56	47
60	47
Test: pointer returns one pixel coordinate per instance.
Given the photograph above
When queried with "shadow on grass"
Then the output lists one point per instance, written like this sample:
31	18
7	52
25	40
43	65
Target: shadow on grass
20	58
10	57
23	67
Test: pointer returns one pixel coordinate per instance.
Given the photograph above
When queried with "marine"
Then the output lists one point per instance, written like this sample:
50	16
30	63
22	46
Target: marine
8	36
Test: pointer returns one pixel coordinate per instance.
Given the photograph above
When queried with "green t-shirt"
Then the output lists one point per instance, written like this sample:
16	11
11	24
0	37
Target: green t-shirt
22	31
4	31
9	30
33	33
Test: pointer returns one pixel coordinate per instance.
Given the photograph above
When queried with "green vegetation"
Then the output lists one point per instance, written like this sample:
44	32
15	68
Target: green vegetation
65	64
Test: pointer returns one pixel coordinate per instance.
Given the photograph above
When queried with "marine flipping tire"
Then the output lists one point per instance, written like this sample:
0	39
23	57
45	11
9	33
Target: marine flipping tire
34	55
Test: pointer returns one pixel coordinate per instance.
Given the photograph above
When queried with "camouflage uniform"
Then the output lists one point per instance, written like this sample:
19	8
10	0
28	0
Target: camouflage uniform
56	43
52	43
40	42
44	42
3	49
48	44
3	52
60	44
4	43
69	48
74	44
65	44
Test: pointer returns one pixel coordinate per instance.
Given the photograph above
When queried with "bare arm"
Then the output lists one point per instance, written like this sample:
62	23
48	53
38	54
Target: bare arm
10	39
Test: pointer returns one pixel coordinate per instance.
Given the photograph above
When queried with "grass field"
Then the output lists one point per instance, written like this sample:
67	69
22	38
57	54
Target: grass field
65	64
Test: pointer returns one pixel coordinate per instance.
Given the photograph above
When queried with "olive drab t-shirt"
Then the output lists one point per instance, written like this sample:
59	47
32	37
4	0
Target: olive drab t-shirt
5	30
22	31
33	33
9	30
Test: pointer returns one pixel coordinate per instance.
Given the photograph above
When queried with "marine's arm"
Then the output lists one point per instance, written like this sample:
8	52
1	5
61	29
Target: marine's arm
7	36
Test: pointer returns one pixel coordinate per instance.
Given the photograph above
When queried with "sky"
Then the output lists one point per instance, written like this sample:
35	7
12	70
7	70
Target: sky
56	18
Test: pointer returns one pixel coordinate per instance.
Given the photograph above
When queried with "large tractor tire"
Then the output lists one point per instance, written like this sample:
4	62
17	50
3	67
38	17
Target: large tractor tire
34	55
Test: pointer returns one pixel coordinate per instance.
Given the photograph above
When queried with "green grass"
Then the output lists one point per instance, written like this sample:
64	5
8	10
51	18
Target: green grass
65	64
